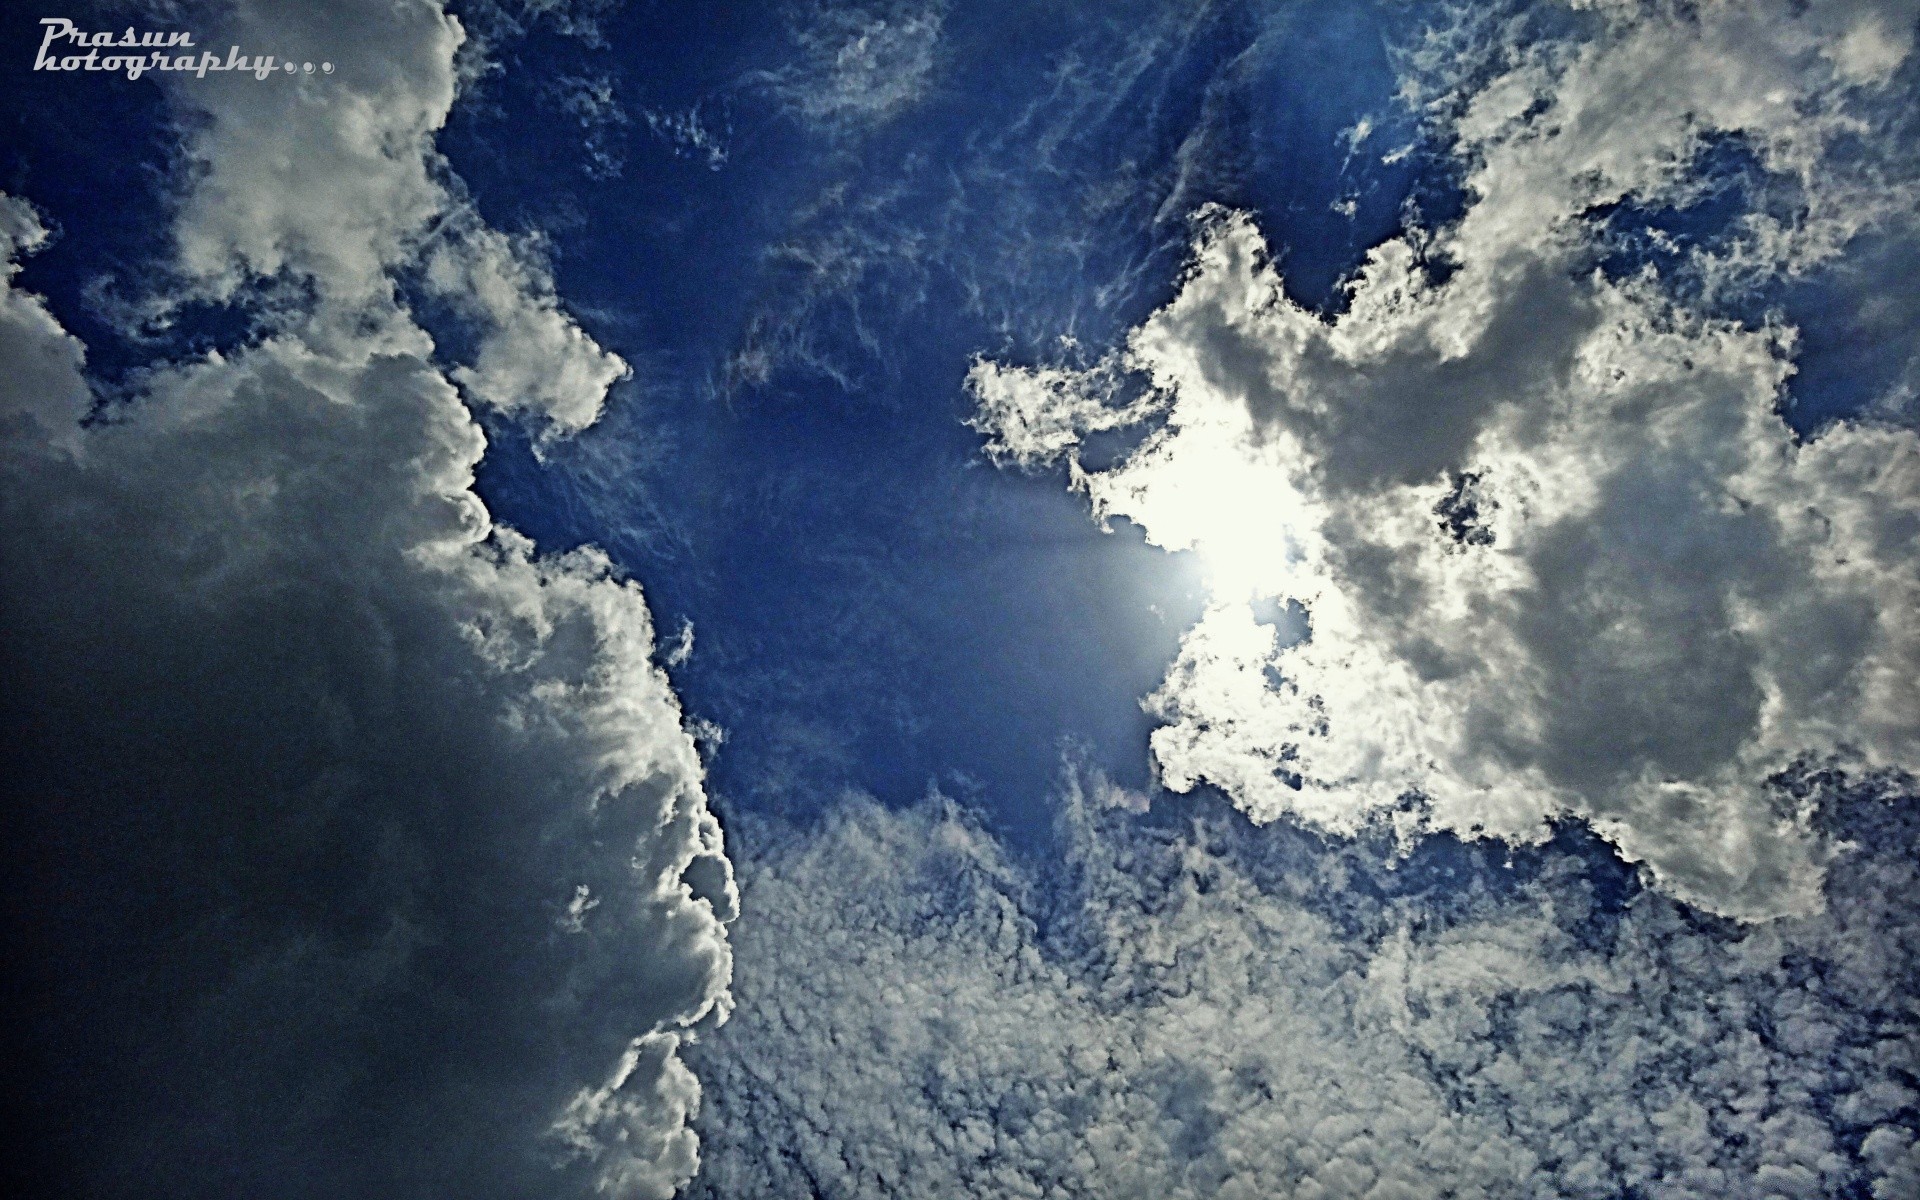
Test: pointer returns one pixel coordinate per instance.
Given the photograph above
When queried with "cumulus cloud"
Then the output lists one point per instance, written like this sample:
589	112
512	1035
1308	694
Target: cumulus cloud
1558	551
332	181
43	362
532	357
1197	1008
361	849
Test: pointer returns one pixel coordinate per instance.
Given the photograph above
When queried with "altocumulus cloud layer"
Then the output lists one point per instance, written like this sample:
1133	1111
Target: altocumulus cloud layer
364	851
1196	1007
1556	550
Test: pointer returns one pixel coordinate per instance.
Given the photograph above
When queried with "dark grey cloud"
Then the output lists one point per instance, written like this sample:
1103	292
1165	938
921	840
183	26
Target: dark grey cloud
359	848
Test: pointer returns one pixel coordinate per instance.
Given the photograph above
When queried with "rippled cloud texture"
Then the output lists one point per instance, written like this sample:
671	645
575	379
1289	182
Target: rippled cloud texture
368	854
1557	550
1200	1008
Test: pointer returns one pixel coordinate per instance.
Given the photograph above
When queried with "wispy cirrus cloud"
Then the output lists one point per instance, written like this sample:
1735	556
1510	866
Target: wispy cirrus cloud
859	64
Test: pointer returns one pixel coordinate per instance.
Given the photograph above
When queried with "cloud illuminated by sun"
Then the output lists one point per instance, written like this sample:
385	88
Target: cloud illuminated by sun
1204	484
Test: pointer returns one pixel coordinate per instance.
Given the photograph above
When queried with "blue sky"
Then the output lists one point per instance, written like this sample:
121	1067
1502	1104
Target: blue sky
871	607
912	597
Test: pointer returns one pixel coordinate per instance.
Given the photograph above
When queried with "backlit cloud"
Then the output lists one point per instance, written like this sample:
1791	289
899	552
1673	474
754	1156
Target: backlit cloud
1558	550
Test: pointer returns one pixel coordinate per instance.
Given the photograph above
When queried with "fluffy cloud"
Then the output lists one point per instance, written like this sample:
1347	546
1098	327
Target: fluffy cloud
1197	1008
362	850
332	181
1558	551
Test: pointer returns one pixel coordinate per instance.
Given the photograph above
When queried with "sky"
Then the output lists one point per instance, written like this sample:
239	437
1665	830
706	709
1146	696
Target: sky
873	598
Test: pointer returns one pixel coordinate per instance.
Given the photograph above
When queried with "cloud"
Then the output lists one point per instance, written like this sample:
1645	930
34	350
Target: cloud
1559	553
860	63
691	133
532	357
682	648
360	847
1199	1008
333	181
43	399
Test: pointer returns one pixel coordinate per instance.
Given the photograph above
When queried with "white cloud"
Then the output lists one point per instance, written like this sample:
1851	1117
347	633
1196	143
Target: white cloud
682	648
319	765
642	1135
44	399
1872	48
1658	599
1035	416
860	63
333	180
1204	1009
533	357
691	133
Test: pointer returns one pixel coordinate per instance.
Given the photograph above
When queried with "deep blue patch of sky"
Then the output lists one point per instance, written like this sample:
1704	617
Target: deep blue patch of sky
100	173
789	469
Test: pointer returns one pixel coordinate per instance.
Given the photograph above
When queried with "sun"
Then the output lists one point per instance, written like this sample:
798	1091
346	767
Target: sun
1206	487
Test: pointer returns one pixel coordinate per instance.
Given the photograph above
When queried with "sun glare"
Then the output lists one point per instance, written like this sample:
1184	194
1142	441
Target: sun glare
1204	490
